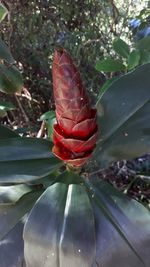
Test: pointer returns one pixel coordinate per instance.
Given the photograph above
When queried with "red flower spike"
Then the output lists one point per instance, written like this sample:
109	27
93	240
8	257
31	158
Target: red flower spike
75	132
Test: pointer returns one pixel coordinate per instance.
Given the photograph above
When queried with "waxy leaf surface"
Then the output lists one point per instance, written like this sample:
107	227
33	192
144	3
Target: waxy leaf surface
24	160
125	126
122	228
59	230
91	225
12	247
12	218
11	214
11	194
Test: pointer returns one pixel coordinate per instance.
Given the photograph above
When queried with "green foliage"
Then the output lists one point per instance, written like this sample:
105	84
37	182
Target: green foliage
121	48
129	59
5	53
4	107
24	160
49	115
55	216
144	44
133	59
3	12
71	215
104	88
87	203
85	28
110	65
10	79
50	118
125	122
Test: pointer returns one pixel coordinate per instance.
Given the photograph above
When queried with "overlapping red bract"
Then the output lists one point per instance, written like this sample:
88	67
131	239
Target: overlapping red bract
75	132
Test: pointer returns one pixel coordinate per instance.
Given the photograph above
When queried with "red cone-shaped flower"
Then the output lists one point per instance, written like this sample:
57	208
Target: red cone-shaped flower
76	129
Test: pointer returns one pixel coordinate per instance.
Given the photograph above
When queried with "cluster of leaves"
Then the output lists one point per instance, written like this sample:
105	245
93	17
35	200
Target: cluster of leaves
129	58
85	28
52	216
71	215
10	77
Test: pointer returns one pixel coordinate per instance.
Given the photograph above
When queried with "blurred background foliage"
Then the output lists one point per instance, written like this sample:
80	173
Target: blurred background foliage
86	28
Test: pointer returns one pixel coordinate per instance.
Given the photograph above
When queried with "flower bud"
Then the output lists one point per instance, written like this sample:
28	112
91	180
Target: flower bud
75	132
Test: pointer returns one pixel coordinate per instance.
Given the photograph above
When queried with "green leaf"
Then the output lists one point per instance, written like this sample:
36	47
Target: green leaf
11	214
12	219
105	86
121	47
4	107
125	130
50	124
133	59
6	132
11	194
5	53
12	247
3	12
48	115
60	229
50	118
10	79
145	57
122	227
23	160
88	224
144	43
110	65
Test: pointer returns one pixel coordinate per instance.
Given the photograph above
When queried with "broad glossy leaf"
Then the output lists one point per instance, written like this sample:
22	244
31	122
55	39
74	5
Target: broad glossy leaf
5	53
10	79
11	214
12	247
110	65
122	228
11	194
121	47
62	228
5	132
23	160
12	219
132	139
59	229
125	128
24	148
105	86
